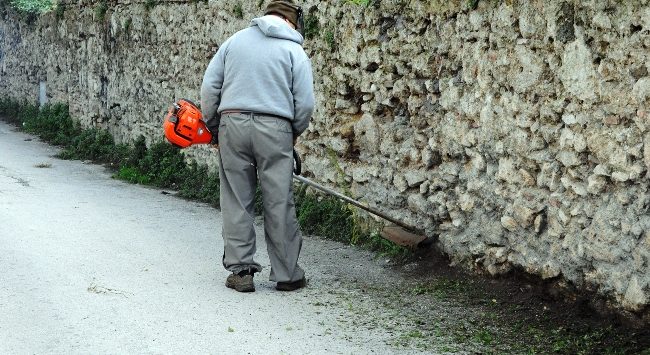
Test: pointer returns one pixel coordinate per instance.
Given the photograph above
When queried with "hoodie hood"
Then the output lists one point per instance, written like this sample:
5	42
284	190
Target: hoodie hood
273	26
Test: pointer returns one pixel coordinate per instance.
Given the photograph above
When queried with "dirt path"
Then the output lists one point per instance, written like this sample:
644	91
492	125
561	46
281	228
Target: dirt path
94	265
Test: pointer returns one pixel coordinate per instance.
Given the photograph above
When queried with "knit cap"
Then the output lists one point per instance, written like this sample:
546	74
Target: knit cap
286	8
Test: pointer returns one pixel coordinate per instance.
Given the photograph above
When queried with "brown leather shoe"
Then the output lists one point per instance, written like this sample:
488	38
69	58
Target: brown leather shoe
291	286
241	283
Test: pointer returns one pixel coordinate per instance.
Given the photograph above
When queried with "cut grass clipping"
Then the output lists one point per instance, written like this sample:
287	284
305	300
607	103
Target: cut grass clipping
162	165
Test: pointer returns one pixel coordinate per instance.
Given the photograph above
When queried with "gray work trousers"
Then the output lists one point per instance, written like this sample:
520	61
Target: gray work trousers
252	147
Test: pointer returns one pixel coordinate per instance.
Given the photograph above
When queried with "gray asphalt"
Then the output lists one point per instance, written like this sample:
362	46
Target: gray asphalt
89	264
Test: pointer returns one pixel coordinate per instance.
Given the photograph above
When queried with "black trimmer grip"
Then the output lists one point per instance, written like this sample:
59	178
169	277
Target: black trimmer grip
297	166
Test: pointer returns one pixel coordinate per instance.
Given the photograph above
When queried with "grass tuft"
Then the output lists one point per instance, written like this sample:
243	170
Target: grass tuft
238	11
100	10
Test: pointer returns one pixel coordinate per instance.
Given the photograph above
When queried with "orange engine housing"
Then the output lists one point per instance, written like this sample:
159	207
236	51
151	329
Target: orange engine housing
184	125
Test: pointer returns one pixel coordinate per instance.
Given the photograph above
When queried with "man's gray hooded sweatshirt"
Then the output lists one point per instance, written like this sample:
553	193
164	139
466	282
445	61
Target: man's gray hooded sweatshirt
262	69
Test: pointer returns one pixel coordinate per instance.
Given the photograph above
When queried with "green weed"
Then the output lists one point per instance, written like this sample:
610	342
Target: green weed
323	215
312	26
330	40
33	6
52	123
200	184
59	11
132	175
361	2
127	25
150	4
100	10
238	11
484	337
441	288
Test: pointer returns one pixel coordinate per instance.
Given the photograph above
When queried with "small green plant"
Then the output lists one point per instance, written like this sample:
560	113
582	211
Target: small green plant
340	174
132	175
150	4
441	288
33	6
360	2
330	40
312	26
200	184
59	11
238	10
414	334
484	336
127	25
323	215
100	10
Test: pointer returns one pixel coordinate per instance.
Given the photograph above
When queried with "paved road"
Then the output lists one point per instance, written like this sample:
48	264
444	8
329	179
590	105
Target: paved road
89	264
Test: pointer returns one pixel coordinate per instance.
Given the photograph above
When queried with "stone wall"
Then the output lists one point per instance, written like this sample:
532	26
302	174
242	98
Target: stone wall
518	130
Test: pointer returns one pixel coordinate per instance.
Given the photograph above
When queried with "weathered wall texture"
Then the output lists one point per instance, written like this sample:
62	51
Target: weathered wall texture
521	130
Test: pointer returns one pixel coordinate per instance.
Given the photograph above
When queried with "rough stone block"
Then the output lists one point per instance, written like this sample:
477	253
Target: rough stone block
509	223
641	89
602	169
415	177
596	184
620	176
635	298
367	133
523	215
569	119
507	171
568	158
646	151
400	183
466	202
526	178
577	72
539	223
418	203
361	174
577	187
457	218
550	270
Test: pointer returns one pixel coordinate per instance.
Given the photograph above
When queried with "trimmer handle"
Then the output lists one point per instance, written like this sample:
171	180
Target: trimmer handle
297	166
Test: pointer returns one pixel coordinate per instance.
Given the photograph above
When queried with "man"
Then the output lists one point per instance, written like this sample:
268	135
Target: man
258	92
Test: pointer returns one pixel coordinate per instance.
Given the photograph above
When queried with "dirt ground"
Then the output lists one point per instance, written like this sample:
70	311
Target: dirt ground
441	309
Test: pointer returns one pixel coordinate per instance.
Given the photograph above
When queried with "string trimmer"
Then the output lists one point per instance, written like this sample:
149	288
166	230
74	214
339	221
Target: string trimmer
184	127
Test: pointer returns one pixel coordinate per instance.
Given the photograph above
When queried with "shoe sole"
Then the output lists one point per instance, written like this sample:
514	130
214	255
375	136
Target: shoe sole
244	288
291	286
